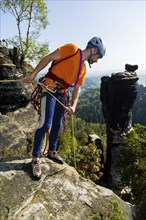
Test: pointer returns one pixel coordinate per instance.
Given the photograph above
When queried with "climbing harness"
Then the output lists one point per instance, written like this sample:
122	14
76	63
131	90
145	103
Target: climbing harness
60	80
36	91
60	83
48	91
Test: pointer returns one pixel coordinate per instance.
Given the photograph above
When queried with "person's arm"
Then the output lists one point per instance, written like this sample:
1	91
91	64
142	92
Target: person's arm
41	65
75	96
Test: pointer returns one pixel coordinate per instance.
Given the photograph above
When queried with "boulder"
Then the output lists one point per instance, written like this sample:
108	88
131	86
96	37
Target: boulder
16	131
61	193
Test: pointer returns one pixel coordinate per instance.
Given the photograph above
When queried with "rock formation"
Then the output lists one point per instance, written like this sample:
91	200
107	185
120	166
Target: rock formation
61	193
118	94
13	95
16	131
18	120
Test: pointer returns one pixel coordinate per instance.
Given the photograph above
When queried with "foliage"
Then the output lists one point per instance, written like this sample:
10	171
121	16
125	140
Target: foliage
133	163
36	50
97	217
114	212
75	151
88	160
92	82
30	15
90	107
139	107
82	129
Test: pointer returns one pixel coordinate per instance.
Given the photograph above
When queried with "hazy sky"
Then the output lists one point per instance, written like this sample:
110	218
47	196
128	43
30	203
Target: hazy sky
121	24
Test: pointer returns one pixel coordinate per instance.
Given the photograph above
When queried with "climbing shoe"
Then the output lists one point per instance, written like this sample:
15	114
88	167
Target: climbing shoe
53	155
36	169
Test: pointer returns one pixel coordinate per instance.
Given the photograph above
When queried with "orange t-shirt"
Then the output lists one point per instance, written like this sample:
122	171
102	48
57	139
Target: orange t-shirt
68	68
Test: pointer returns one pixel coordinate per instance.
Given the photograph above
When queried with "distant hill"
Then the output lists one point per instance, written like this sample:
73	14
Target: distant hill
94	79
142	79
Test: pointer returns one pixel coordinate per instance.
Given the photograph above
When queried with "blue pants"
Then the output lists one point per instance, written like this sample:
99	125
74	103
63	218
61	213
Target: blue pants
50	120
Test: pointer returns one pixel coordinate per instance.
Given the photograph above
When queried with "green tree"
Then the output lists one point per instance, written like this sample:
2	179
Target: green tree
89	106
139	107
75	151
88	160
31	15
133	163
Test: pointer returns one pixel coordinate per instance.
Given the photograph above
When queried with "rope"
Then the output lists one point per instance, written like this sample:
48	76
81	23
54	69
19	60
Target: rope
73	141
45	150
10	80
52	95
19	80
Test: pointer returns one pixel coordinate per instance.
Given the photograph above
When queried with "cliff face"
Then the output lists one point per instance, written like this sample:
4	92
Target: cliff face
13	95
18	120
16	131
61	194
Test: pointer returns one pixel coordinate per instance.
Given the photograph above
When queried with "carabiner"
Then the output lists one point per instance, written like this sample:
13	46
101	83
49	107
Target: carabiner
49	85
53	91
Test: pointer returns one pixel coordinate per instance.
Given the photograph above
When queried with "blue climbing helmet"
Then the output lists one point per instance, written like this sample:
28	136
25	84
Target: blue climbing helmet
97	43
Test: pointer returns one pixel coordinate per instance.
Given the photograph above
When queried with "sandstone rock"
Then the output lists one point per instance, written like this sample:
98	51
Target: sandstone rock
15	130
18	120
118	94
13	95
61	193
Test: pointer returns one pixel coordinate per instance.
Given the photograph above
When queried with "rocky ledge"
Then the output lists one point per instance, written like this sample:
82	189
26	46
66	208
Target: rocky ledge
60	194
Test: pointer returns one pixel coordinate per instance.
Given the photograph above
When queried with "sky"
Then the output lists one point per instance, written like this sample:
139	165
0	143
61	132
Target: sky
121	24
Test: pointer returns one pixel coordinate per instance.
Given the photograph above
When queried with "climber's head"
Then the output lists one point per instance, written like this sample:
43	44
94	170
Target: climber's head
97	49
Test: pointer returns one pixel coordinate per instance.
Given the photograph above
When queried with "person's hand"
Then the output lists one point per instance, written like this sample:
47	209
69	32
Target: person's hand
28	79
70	110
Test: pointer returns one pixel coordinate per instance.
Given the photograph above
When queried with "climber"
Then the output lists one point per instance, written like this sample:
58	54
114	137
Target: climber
67	69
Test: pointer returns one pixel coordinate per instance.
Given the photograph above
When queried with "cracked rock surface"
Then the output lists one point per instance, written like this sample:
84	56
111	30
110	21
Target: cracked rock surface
61	193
